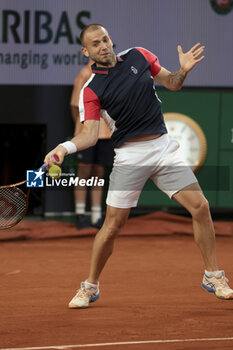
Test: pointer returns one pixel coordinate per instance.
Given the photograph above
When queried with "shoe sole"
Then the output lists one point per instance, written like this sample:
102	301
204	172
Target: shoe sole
207	288
94	299
212	291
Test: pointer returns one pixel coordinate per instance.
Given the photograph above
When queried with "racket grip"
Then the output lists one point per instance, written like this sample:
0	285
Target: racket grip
44	166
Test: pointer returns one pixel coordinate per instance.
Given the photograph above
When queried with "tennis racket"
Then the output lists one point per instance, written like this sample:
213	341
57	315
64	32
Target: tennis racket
14	202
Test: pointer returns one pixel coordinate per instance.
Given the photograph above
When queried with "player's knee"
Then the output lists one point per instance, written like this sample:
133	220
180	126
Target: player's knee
112	228
201	211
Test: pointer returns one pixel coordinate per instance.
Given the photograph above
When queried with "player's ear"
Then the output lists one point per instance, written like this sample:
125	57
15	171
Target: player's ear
85	52
111	40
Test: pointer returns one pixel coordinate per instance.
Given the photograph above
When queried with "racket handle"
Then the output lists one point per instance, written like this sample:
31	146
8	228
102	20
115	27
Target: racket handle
44	166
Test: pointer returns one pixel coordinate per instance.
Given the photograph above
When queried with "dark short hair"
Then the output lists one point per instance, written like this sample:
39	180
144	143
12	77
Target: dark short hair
90	27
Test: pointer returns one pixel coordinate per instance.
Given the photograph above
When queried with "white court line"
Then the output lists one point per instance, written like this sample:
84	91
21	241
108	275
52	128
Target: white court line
120	343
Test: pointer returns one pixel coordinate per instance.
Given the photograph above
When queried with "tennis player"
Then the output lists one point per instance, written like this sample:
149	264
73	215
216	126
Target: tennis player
122	89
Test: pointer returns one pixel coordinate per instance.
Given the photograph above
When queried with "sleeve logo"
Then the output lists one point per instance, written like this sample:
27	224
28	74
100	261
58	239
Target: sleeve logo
134	70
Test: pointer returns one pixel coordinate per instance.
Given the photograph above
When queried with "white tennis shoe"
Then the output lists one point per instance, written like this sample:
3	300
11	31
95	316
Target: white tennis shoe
218	286
84	296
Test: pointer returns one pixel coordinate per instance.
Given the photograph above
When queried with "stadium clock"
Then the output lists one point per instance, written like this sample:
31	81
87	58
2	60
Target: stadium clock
192	140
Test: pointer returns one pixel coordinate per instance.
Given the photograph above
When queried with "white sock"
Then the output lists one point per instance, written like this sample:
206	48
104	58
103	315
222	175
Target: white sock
91	285
96	213
80	208
216	274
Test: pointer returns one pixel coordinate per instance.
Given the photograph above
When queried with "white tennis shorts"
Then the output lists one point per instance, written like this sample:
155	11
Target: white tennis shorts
135	162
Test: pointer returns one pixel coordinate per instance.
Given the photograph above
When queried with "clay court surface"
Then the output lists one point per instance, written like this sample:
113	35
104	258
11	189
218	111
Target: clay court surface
151	296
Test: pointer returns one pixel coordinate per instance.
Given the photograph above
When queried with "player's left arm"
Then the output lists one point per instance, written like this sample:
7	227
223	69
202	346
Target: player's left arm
174	80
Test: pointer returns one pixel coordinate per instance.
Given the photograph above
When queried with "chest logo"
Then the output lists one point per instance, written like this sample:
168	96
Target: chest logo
134	70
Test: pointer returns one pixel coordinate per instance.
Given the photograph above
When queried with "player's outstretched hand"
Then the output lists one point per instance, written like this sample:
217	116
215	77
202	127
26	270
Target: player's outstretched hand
189	59
60	152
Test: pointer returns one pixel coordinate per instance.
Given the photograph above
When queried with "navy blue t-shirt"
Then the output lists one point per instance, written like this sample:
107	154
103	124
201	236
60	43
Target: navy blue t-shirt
125	96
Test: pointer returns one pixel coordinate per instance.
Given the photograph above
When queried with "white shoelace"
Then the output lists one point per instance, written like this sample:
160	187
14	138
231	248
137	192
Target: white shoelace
223	280
83	292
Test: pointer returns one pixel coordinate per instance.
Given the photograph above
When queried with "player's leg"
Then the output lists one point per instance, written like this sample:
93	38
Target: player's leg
102	249
193	199
178	181
126	183
104	240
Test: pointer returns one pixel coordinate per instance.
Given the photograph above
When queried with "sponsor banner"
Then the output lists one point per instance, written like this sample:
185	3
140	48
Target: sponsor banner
39	40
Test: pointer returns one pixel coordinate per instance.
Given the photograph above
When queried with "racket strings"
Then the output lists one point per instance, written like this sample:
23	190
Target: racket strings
13	206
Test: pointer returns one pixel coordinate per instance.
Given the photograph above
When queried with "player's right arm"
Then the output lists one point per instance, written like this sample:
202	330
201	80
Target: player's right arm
89	109
85	139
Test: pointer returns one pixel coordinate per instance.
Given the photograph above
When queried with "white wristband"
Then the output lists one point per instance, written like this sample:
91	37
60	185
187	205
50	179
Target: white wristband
69	146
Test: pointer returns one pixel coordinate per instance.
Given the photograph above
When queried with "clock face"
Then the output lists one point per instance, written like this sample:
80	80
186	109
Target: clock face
190	137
